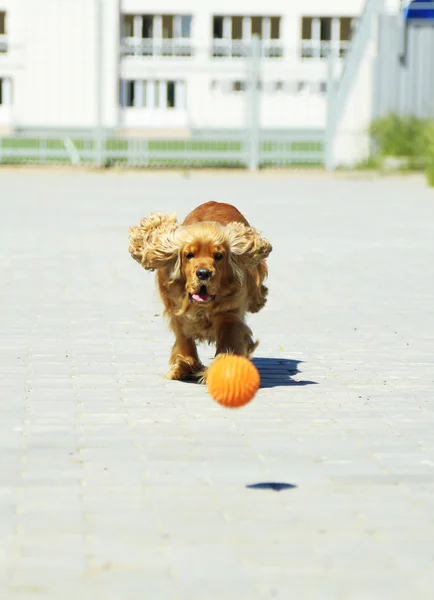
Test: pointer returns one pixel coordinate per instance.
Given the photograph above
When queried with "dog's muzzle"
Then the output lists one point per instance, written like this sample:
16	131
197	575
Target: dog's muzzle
201	296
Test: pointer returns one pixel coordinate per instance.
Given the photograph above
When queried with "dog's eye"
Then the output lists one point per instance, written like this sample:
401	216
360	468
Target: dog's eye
218	256
189	255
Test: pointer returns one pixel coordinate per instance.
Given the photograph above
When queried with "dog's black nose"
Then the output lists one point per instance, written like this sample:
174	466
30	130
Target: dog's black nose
203	274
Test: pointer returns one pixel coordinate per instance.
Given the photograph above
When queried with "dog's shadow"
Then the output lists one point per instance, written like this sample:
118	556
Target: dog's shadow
274	372
279	372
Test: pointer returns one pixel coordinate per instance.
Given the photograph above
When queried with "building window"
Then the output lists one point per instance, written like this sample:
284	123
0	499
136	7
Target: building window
152	94
167	22
127	27
257	26
275	28
218	28
5	91
3	39
232	35
348	25
321	36
185	26
130	93
239	86
156	35
147	27
170	94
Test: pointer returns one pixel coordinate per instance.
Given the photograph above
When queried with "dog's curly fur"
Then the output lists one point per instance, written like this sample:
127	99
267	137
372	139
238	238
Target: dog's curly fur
216	242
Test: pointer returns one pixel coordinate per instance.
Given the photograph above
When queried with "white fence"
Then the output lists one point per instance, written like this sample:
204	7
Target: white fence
298	148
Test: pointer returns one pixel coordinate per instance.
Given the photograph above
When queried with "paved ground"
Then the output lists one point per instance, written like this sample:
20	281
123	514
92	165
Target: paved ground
117	484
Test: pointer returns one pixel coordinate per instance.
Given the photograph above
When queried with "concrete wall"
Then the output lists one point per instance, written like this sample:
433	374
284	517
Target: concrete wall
53	63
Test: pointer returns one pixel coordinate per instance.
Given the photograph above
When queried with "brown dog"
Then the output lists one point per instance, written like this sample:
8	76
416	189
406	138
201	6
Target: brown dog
210	273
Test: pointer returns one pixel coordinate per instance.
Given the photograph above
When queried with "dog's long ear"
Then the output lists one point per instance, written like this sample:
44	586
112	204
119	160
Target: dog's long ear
153	243
246	245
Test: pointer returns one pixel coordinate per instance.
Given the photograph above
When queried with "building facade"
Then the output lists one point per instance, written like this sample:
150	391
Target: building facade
146	66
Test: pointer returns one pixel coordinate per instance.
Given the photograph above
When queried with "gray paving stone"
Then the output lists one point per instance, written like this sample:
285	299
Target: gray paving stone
116	483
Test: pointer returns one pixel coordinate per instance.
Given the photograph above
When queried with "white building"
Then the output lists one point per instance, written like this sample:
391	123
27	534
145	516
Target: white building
163	68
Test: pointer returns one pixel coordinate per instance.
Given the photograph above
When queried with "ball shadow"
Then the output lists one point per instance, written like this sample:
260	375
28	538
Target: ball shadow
271	485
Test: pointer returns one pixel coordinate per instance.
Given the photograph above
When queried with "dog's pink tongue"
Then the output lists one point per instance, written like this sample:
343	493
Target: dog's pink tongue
201	297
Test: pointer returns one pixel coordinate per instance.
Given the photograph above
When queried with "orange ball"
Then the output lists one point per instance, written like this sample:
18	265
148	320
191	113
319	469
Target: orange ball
232	380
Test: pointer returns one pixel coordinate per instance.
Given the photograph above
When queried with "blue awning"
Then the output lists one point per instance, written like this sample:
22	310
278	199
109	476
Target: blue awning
419	10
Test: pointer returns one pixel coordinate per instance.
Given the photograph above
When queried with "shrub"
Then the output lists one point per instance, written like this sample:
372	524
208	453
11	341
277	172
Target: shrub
401	137
430	159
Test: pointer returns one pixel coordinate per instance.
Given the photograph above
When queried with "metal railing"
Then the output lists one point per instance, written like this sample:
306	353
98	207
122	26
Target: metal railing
225	48
323	49
135	46
221	48
302	147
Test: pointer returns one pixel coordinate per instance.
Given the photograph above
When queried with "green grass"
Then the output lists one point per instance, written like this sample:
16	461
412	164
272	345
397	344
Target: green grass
159	153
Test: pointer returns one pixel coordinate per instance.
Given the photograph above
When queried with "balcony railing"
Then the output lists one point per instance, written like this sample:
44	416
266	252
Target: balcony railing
3	43
133	46
323	49
224	48
183	47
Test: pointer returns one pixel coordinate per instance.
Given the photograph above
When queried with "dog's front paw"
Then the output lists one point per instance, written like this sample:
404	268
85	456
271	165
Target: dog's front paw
185	371
202	375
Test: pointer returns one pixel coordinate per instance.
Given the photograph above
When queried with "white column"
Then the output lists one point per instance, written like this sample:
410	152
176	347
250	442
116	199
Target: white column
316	37
7	91
177	26
177	40
137	32
266	36
139	93
123	93
266	28
137	26
227	28
227	36
157	34
246	33
179	95
150	93
335	36
247	29
290	36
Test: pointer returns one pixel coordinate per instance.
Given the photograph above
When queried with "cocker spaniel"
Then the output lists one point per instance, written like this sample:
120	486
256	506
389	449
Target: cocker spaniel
210	273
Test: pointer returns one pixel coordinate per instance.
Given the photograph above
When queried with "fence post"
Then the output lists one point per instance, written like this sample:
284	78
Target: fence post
42	143
253	104
329	128
99	138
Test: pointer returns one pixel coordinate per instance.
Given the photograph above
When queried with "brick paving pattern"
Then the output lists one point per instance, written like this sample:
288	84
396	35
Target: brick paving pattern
118	484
